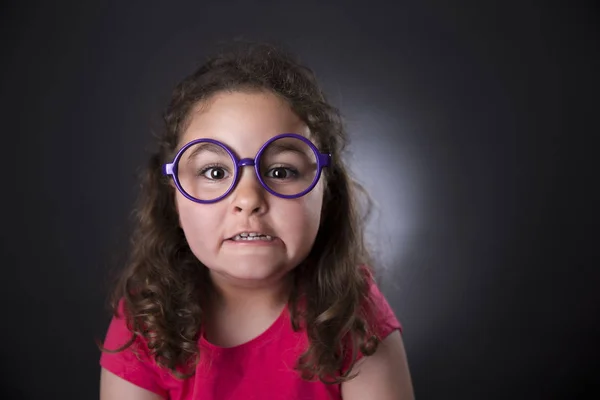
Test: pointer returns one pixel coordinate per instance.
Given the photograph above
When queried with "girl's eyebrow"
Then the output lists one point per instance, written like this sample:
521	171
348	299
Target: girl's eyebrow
211	147
278	148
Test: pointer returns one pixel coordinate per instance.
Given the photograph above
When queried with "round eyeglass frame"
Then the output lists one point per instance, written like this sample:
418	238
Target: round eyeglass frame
323	160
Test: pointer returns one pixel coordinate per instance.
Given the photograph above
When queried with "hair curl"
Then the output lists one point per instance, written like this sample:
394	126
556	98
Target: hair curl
162	285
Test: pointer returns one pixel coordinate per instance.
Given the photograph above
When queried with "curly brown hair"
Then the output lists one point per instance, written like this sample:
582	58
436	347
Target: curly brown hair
162	286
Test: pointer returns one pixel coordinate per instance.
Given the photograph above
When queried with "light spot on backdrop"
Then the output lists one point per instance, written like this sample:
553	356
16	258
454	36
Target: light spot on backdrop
383	159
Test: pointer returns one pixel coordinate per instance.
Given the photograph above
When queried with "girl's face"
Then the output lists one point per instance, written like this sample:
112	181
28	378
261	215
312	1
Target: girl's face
244	122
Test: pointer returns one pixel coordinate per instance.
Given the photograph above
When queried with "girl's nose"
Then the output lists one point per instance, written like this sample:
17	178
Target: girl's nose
249	195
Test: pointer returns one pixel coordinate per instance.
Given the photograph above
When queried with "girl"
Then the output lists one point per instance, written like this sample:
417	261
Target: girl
249	277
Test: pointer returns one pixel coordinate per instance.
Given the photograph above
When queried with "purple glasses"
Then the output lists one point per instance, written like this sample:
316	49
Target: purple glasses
287	166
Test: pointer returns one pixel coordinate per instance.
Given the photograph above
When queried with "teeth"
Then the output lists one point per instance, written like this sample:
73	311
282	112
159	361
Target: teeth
252	236
244	234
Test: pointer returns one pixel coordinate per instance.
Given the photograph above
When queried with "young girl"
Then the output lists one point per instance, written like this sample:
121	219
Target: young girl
249	277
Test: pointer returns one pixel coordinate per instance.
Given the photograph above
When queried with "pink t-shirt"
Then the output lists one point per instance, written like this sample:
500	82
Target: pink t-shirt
262	368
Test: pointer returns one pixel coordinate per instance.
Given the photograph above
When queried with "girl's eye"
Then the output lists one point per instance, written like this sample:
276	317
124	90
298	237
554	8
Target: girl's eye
282	173
214	173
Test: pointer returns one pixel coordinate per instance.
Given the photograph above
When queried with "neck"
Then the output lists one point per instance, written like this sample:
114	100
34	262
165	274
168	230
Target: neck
232	295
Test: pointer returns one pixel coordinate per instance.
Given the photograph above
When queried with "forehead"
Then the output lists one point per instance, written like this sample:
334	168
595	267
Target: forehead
242	120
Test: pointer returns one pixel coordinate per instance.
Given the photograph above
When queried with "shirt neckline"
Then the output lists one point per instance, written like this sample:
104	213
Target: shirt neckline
268	335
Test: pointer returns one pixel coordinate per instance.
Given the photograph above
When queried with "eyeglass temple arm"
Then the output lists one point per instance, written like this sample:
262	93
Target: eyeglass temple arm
167	169
324	159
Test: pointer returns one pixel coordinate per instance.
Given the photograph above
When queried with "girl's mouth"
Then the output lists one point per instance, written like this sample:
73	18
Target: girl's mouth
253	236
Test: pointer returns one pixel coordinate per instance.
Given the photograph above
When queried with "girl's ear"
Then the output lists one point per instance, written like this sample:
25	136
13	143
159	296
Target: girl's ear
178	214
175	203
324	205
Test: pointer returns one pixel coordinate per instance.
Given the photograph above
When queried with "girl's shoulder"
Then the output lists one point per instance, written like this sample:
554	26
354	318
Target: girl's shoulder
128	356
378	311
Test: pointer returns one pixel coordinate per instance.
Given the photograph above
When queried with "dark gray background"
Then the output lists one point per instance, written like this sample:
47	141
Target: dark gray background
472	125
